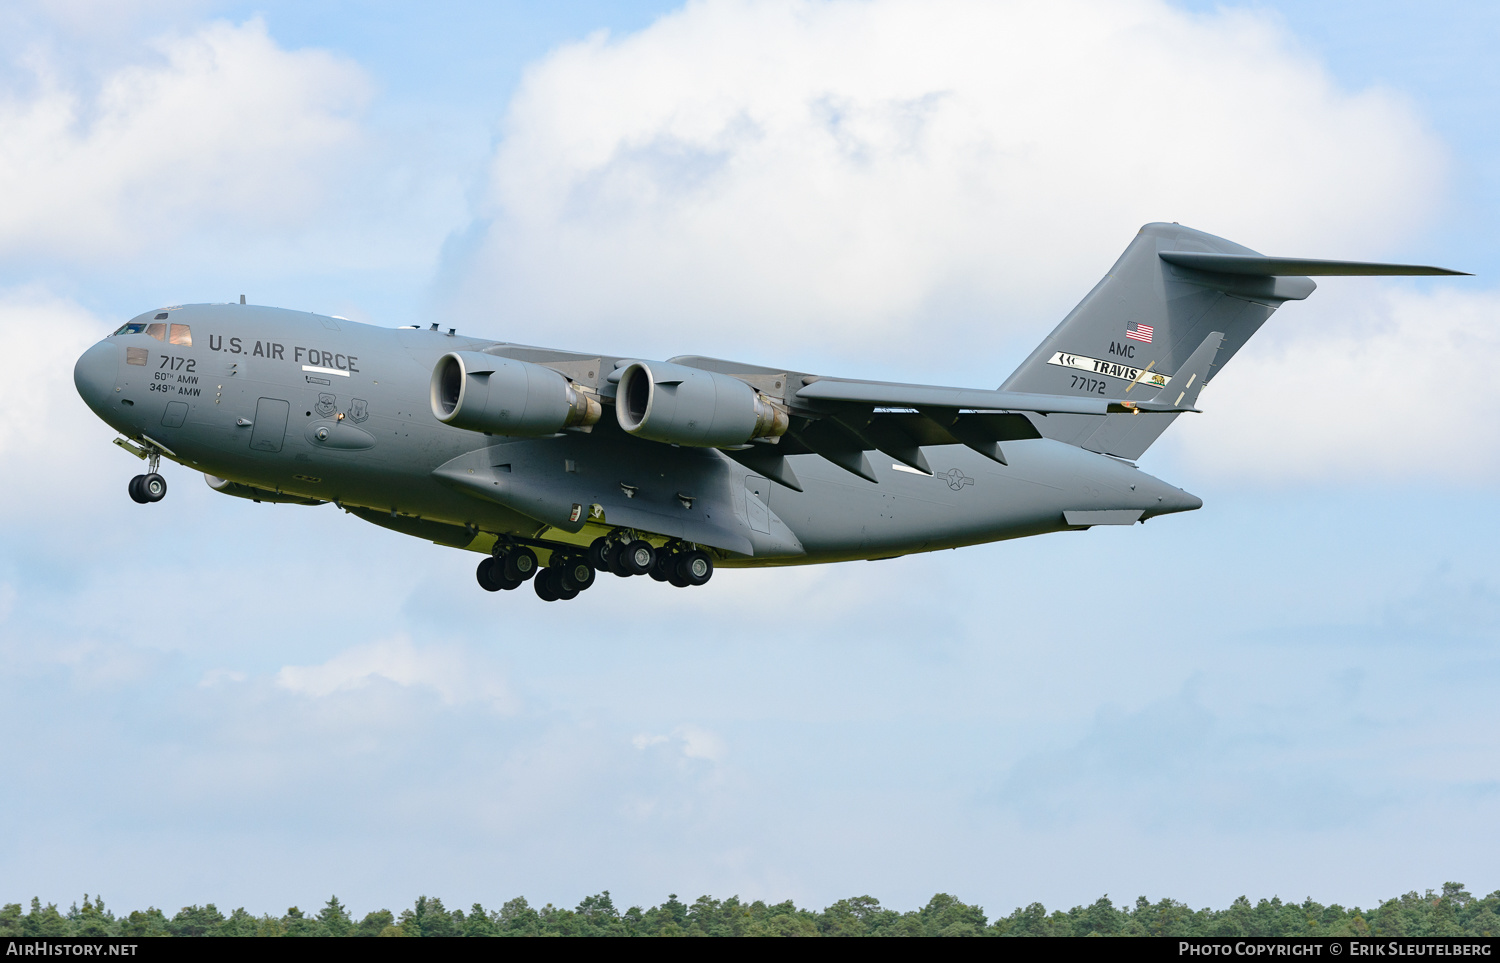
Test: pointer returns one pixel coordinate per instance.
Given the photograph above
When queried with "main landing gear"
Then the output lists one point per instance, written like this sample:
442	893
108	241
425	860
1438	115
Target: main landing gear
673	562
570	571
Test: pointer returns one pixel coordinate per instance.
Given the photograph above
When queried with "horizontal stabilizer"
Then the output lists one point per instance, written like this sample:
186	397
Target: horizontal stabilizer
1258	266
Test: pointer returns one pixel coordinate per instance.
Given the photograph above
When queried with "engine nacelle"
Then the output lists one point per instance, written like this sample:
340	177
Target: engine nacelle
689	406
503	396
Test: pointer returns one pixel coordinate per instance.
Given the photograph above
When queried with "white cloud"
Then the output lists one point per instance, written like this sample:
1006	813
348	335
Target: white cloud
220	128
694	742
789	175
449	671
55	450
1393	386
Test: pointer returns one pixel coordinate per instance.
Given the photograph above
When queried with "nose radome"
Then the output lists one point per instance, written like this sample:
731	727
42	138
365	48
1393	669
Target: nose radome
95	375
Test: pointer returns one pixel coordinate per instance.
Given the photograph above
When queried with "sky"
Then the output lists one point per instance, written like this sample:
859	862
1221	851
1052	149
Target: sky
1289	692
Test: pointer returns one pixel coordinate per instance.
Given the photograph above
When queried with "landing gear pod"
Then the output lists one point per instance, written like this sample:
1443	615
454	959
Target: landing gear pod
502	396
679	405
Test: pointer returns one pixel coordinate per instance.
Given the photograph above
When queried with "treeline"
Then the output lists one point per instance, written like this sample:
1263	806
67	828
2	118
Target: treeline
1453	912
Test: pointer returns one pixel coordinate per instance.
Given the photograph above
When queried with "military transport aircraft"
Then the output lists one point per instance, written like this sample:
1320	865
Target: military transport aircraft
507	450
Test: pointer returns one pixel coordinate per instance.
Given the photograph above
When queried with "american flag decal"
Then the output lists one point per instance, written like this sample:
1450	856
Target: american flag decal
1139	332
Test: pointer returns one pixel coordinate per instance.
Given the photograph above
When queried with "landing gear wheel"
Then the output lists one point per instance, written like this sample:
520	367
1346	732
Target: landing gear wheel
485	578
154	487
665	563
577	573
696	567
617	562
546	586
599	554
639	556
520	564
136	495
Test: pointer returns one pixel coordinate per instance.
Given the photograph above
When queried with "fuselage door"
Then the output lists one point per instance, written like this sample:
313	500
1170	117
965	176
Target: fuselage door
270	424
757	503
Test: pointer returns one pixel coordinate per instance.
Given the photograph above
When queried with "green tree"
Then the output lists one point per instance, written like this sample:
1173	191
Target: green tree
517	918
92	919
239	923
296	923
44	921
150	923
598	917
945	915
11	920
334	919
782	919
196	921
374	924
480	923
268	926
427	917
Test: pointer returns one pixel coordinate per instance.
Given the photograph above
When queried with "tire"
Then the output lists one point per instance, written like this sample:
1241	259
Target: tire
546	590
599	554
154	487
696	567
665	562
577	572
136	495
639	557
483	575
617	562
520	564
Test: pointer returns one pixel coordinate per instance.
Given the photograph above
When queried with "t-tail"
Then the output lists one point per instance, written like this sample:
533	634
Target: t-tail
1174	309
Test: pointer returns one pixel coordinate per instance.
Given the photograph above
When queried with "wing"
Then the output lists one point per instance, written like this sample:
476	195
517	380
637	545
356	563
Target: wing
842	420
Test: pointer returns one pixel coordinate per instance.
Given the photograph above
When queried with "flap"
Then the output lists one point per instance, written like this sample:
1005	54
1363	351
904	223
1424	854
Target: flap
921	396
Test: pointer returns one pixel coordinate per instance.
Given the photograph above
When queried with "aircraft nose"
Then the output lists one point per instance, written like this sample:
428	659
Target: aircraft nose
95	375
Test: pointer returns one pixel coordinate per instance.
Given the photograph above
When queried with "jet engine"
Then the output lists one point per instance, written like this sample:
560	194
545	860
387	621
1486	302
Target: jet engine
689	406
503	396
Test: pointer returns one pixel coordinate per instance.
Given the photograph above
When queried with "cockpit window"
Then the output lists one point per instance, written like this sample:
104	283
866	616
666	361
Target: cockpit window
181	334
131	327
157	330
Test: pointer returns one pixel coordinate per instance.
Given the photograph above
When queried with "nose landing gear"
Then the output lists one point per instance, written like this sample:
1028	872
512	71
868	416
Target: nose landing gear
150	487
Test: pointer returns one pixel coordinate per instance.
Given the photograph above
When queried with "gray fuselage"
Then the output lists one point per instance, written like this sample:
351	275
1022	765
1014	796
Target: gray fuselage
289	405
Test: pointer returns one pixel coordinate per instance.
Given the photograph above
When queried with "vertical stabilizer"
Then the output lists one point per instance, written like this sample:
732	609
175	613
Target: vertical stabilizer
1139	325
